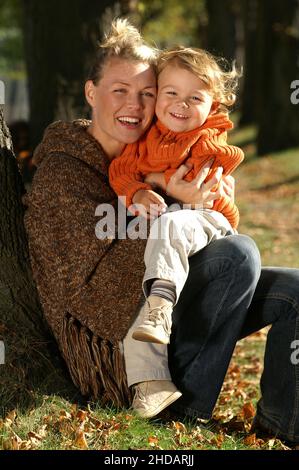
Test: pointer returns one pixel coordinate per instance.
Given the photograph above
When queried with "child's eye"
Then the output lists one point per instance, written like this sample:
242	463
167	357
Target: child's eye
195	98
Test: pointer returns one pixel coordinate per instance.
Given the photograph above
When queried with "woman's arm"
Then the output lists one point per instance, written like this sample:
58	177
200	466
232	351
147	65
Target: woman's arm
186	190
196	192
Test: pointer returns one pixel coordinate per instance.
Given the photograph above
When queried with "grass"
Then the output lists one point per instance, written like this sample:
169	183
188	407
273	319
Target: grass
268	198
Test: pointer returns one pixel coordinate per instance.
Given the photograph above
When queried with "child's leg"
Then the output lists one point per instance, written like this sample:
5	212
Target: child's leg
147	369
144	361
174	237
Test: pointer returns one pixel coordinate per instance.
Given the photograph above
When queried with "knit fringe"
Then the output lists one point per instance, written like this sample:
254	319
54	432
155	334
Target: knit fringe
96	366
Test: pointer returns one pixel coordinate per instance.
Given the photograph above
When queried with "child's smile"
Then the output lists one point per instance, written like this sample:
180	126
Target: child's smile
184	101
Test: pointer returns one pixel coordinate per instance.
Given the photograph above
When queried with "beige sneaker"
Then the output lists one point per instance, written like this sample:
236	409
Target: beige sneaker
153	396
156	326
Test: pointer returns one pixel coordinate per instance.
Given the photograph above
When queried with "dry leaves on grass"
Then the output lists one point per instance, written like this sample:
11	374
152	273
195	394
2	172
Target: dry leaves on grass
78	429
13	441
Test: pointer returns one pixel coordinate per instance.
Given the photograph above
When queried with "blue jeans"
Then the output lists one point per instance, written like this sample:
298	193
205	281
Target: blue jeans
228	296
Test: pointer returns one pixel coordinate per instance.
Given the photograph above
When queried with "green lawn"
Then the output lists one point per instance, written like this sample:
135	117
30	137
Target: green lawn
268	199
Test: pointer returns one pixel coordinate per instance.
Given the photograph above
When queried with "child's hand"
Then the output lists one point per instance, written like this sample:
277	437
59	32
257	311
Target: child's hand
149	204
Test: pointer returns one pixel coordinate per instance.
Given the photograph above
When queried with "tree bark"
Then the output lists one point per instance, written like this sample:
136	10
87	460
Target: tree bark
60	36
221	30
249	90
278	67
30	351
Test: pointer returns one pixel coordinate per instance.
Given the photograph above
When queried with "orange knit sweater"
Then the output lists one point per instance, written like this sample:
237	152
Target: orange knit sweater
162	150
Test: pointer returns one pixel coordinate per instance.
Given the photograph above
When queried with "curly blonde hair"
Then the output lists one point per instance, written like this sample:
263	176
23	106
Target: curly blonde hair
210	69
122	41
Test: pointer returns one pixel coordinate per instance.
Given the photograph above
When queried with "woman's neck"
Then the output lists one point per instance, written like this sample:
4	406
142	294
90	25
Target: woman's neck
111	148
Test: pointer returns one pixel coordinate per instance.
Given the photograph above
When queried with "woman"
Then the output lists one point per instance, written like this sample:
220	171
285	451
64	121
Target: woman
90	288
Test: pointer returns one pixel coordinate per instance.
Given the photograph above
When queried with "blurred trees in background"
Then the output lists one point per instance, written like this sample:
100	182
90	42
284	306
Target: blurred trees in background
262	36
277	66
250	22
170	22
221	37
11	44
60	39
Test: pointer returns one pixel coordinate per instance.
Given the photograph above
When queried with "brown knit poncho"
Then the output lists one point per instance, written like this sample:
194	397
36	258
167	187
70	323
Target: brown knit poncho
90	289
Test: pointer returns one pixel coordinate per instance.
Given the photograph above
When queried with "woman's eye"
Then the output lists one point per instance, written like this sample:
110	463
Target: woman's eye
148	94
119	90
172	93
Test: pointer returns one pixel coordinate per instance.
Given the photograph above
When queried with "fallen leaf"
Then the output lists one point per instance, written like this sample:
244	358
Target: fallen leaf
271	443
153	441
248	410
217	440
12	443
250	440
81	415
10	418
64	415
80	440
179	427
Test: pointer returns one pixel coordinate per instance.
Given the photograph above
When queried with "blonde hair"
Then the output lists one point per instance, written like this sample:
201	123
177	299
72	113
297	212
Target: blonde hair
122	41
210	69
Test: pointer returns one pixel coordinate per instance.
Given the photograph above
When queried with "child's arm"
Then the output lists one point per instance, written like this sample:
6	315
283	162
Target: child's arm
124	176
227	156
226	202
127	180
228	208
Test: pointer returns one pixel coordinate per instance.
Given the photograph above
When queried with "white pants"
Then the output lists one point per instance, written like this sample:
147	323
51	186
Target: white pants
174	237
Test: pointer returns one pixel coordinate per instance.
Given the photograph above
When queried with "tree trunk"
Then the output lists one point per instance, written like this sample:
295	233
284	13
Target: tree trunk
60	36
29	348
249	91
221	29
278	67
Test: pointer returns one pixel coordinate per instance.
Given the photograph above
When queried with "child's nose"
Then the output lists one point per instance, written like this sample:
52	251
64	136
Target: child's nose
184	103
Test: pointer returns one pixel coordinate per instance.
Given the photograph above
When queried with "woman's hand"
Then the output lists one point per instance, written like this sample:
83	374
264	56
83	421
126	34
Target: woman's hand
156	180
196	192
148	203
227	186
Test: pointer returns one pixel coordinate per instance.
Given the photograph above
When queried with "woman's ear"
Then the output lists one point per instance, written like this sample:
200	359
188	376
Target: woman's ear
90	92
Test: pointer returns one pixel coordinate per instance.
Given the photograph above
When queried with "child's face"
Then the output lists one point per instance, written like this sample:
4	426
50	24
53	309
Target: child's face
183	101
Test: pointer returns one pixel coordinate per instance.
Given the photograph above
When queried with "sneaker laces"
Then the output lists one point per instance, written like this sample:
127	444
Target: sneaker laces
159	316
138	394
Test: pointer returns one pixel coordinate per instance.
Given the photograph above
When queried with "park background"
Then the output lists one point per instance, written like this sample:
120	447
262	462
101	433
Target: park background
45	47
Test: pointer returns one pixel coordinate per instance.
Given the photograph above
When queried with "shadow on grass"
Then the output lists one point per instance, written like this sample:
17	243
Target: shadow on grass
23	386
277	184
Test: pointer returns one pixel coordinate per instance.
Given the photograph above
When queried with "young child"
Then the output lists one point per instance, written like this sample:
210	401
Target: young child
192	120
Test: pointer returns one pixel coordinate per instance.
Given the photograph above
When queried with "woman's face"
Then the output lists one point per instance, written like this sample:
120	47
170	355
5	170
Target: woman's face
123	103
